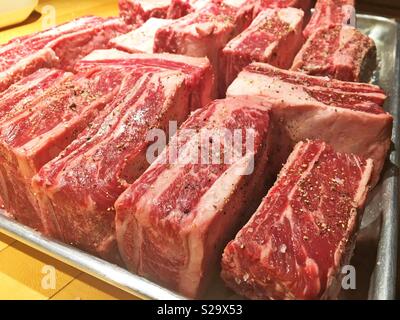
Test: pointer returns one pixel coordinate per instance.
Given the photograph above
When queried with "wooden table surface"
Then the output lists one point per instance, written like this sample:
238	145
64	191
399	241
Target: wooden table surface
23	270
24	274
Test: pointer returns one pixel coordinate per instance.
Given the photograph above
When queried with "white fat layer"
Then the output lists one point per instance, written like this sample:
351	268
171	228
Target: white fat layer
115	54
292	16
360	195
32	83
47	55
359	199
106	54
233	3
254	84
214	200
142	38
210	204
249	83
67	27
149	5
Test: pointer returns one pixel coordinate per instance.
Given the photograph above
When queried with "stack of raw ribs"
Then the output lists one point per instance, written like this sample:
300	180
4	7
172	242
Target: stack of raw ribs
265	185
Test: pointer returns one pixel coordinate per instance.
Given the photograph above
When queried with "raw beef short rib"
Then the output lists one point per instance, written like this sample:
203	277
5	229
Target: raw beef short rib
77	190
303	232
274	37
60	46
199	74
347	115
340	52
203	33
28	88
17	96
41	125
71	48
174	221
331	12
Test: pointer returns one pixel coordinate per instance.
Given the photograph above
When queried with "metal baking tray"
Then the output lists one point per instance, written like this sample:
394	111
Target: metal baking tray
375	255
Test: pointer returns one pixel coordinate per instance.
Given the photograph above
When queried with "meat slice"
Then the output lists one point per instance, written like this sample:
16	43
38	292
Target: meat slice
78	189
203	33
302	234
41	125
274	37
340	52
60	47
30	87
15	71
21	47
140	40
71	48
137	12
198	71
331	12
174	221
18	96
347	115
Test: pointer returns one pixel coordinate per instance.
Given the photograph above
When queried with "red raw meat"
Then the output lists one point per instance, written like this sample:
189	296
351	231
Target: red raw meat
347	115
340	52
203	33
30	87
274	37
60	46
77	190
41	125
174	221
331	12
199	74
303	232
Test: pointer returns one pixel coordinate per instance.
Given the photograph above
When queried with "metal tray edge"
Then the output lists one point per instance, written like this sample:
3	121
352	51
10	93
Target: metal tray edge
378	18
108	272
383	282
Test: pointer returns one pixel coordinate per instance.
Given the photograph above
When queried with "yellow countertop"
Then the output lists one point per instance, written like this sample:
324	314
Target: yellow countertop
24	272
29	274
57	12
